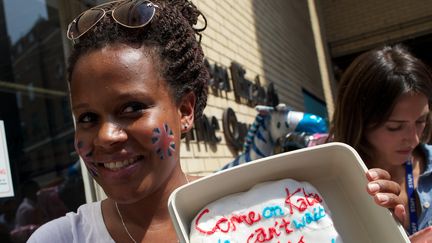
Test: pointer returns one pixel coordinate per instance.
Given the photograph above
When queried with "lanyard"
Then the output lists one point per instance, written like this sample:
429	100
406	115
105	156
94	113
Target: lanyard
411	197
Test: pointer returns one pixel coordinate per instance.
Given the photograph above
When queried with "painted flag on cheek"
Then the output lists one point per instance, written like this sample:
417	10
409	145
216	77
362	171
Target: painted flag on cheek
163	141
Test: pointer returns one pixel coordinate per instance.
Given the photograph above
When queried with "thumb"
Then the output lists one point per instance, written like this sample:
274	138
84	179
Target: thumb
399	213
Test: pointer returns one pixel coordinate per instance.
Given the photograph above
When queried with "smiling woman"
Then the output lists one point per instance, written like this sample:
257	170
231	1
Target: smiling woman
119	127
137	82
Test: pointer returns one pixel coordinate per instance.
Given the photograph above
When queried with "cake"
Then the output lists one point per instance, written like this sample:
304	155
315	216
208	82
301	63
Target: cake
275	211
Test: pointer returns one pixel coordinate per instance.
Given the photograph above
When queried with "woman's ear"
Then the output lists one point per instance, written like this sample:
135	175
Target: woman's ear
187	112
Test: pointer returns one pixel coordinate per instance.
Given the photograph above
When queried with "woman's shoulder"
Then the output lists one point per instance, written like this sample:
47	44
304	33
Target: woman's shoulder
427	149
427	146
57	230
83	226
427	153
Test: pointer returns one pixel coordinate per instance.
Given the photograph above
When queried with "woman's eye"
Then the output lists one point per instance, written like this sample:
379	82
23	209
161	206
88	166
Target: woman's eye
421	121
133	107
394	129
87	118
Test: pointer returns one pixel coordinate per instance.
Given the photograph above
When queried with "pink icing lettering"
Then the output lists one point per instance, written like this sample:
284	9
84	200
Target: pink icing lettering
301	203
224	225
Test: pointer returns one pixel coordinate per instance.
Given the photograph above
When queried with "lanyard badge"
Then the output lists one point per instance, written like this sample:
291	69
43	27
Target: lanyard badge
411	197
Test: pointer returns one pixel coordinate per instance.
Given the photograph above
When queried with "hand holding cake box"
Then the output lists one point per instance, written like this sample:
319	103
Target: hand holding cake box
275	211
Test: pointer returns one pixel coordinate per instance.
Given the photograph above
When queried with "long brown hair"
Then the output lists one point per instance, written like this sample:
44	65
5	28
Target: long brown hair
369	90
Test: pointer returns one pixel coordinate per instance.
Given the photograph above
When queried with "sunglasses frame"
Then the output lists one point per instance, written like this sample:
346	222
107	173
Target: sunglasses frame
104	13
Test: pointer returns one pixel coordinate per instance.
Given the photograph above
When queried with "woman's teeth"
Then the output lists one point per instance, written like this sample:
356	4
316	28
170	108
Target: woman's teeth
119	164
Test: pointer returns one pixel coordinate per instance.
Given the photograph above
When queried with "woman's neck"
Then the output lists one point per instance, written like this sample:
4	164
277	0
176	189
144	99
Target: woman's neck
147	217
397	171
155	206
392	169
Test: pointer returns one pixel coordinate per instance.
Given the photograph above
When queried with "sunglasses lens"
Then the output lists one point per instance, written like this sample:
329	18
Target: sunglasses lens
84	22
134	13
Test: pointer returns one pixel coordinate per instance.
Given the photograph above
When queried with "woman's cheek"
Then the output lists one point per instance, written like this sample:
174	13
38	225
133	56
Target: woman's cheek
163	142
85	152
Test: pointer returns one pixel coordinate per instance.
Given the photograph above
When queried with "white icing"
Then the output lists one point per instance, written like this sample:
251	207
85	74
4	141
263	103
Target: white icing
264	209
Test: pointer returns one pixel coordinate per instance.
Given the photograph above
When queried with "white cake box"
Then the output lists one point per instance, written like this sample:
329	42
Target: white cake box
334	169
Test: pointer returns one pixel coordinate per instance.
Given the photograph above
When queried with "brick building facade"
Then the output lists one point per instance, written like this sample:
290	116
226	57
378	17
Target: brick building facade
270	39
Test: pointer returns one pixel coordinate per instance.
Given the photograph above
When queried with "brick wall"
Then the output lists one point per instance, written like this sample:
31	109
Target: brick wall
353	26
272	39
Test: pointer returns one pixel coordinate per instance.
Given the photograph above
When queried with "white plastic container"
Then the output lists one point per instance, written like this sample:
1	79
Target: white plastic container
334	169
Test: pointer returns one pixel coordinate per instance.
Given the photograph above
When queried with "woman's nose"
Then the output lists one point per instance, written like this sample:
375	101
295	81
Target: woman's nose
109	135
413	135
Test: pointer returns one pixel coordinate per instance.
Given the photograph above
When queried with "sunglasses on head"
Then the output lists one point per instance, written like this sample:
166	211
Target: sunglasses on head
128	13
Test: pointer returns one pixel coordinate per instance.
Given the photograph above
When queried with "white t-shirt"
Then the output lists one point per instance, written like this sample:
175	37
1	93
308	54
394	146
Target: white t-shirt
86	225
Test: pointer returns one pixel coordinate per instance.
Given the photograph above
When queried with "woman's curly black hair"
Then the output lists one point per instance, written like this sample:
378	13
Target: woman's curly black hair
170	35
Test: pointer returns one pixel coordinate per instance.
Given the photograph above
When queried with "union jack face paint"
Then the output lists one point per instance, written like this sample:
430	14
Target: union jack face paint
86	153
163	140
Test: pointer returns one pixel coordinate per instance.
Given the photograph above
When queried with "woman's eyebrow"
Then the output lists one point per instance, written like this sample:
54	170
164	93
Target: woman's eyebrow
395	120
80	106
401	121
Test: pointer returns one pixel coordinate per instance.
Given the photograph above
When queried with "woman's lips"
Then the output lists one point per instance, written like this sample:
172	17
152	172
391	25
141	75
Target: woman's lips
118	164
119	171
404	151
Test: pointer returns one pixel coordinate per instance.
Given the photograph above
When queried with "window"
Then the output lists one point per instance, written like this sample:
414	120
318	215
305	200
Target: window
36	113
314	105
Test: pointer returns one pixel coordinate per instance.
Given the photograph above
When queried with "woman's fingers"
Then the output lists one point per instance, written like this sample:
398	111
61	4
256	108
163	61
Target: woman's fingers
387	200
380	182
383	186
399	214
422	236
394	203
386	193
376	174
